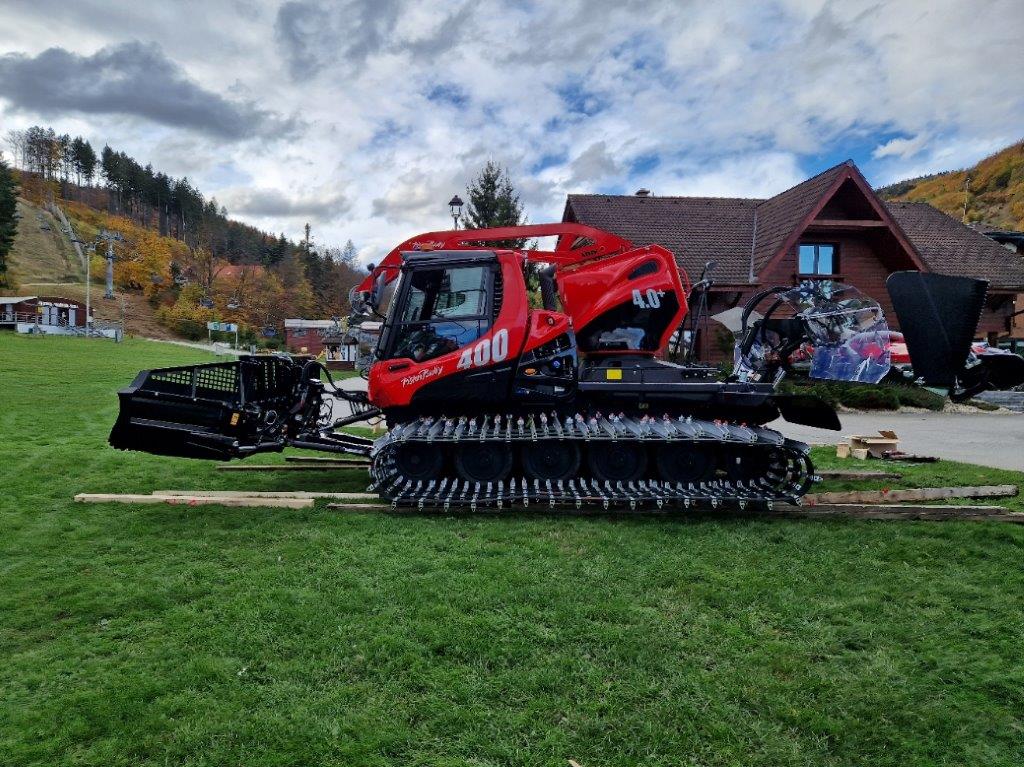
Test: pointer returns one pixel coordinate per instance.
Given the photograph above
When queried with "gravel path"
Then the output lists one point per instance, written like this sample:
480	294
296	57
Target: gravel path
987	439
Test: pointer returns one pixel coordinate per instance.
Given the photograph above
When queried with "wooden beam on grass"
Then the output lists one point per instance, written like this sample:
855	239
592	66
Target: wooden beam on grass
843	474
332	461
864	511
909	512
291	466
269	494
195	500
911	494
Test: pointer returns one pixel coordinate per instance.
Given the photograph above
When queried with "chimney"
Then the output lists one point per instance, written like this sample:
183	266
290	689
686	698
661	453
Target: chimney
642	192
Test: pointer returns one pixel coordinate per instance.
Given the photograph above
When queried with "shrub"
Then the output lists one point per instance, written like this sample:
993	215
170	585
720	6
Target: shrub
915	396
871	397
883	396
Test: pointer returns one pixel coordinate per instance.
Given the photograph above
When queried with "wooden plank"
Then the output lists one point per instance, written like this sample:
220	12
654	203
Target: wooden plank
269	494
194	500
290	467
852	474
828	511
895	512
318	459
912	494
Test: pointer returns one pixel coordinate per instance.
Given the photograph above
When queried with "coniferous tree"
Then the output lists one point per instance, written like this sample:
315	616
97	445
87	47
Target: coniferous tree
349	255
8	219
85	162
493	201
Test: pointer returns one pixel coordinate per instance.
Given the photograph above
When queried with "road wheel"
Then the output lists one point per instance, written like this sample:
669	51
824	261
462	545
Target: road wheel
418	460
483	462
550	459
752	463
683	463
616	461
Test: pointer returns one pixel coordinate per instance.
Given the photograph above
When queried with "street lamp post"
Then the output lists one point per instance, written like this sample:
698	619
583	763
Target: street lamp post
455	206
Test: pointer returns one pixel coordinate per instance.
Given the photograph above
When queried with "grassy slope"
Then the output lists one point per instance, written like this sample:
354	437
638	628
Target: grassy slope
153	635
42	255
997	190
44	263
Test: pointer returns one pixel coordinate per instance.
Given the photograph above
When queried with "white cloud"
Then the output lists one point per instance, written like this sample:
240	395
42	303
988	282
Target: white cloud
903	148
726	98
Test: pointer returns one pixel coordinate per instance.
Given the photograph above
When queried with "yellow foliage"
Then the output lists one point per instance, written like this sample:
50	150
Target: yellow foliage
259	296
186	316
996	195
142	260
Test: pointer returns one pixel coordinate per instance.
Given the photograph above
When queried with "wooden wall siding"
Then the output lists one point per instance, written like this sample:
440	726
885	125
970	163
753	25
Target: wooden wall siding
996	316
860	265
848	203
312	340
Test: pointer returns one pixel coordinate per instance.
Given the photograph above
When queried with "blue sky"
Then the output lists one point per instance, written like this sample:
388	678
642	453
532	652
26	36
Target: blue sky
363	117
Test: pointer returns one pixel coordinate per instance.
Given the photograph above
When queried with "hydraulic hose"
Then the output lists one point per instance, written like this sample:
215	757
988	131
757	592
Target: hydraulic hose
548	290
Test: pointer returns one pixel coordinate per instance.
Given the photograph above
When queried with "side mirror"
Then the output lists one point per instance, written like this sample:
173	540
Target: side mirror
378	290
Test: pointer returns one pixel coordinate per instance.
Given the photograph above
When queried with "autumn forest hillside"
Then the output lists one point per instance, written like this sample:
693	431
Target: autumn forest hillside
176	252
993	190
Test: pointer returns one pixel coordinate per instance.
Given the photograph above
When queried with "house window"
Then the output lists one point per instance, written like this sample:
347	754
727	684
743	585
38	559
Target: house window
817	258
299	332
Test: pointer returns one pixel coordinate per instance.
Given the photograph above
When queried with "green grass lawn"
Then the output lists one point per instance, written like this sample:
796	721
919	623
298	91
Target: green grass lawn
174	635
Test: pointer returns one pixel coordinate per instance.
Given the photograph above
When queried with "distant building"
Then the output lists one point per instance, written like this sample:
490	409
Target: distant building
42	314
831	227
318	337
1009	239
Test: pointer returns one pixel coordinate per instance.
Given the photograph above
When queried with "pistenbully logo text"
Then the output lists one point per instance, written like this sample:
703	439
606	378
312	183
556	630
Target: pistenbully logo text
422	375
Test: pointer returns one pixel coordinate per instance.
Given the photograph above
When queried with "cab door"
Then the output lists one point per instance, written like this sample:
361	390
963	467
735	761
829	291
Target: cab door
453	335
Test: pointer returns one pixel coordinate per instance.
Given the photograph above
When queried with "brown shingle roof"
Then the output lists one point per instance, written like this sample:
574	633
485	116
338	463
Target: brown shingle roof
952	248
702	229
696	229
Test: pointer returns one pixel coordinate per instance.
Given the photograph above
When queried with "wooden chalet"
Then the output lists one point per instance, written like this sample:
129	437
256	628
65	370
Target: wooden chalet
832	226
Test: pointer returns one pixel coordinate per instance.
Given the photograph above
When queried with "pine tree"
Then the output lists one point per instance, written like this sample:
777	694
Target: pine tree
86	162
8	219
349	255
493	201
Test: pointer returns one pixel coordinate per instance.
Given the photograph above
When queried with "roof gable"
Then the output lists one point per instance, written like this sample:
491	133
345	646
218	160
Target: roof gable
779	217
788	214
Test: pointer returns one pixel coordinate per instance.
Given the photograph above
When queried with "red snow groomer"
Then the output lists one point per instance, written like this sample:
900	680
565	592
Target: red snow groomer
491	400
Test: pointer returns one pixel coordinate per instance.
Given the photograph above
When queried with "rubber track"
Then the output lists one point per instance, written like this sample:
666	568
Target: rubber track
785	484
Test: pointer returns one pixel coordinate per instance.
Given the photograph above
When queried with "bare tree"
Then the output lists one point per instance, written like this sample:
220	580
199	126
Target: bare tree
18	143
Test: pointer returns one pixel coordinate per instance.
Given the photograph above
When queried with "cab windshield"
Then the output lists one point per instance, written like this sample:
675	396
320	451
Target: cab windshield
442	310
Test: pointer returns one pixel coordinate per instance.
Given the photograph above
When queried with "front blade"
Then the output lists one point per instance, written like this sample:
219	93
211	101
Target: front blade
939	316
215	411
